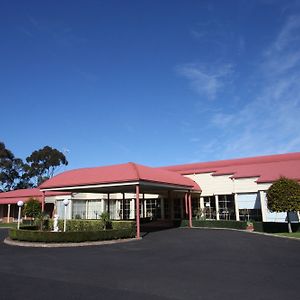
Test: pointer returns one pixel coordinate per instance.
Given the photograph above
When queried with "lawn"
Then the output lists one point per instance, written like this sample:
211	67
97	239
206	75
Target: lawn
293	234
10	225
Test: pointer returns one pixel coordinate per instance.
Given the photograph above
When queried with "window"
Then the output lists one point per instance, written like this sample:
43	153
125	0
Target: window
247	214
78	209
153	210
226	207
125	208
94	210
209	207
195	206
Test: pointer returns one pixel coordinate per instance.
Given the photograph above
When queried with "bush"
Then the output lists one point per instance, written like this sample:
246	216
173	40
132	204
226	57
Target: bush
123	225
32	208
105	218
91	225
274	227
268	227
29	227
216	224
71	236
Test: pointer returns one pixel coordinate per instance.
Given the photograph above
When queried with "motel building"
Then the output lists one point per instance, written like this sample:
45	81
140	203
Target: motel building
221	190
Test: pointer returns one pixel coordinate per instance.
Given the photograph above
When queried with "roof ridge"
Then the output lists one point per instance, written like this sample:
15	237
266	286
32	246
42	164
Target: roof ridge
224	163
135	168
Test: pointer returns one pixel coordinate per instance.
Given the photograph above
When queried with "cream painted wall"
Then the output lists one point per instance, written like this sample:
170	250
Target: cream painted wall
245	185
212	185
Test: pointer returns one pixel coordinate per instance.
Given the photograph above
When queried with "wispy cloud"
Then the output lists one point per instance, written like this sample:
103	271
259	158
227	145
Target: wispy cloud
206	81
269	122
55	30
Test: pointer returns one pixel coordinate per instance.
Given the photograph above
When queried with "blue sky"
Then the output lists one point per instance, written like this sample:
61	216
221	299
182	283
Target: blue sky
154	82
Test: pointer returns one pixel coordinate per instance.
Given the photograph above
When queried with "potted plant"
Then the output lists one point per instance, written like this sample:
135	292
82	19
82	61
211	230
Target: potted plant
250	226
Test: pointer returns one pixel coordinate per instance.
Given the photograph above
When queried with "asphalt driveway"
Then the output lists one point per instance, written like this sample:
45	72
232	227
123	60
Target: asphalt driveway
170	264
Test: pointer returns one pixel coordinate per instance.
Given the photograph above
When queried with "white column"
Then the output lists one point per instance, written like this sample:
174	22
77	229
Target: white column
263	205
162	208
202	202
236	205
8	213
70	209
217	207
132	209
86	209
118	209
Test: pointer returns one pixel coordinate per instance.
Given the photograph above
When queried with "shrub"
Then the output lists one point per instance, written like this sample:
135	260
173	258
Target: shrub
217	224
71	236
269	227
32	208
123	225
91	225
105	218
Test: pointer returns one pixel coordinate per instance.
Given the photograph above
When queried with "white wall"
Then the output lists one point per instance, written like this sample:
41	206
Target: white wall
212	185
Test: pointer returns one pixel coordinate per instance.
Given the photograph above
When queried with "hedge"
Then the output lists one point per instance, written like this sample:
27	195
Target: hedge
70	236
216	224
274	227
91	225
268	227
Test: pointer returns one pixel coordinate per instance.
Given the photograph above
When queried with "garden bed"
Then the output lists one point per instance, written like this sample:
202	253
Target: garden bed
70	236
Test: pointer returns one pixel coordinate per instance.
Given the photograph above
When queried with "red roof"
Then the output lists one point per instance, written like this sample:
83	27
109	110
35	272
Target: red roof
266	168
13	197
122	173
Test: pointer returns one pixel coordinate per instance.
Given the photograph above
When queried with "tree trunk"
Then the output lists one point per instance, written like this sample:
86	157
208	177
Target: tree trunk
289	222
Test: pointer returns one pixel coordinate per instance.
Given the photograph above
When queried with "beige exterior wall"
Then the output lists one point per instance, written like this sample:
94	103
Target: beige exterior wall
245	185
213	185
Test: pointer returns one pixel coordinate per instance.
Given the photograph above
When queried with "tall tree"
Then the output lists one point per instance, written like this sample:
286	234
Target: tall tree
284	196
42	164
11	169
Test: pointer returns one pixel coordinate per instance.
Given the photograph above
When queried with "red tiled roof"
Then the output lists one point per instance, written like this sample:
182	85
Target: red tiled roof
13	197
122	173
266	168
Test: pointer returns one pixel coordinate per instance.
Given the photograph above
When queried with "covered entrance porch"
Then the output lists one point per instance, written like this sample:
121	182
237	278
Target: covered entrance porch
136	180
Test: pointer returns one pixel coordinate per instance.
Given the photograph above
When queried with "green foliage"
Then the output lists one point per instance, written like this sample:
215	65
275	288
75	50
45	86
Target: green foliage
216	224
66	237
105	218
11	170
32	208
123	225
42	221
284	195
270	227
91	225
41	164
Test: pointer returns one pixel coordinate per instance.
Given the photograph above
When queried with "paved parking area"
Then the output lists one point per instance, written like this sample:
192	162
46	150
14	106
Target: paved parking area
170	264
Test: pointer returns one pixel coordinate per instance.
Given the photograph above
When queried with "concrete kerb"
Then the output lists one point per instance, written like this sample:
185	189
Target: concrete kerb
11	242
246	231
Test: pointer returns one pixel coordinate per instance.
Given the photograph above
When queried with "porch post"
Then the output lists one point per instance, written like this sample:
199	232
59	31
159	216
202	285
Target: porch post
190	210
8	213
186	203
43	202
137	209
